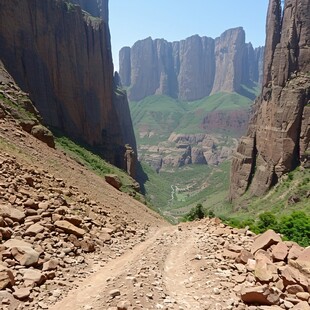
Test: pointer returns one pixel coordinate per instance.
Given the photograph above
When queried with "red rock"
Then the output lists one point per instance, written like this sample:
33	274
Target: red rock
34	229
12	213
291	275
113	180
244	256
259	295
70	228
294	289
265	271
302	263
280	251
229	254
22	293
294	252
6	277
265	240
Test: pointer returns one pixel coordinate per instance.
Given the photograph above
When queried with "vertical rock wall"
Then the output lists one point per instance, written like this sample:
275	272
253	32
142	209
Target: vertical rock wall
62	57
189	69
278	135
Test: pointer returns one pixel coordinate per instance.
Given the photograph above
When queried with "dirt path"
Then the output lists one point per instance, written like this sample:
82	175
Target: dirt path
177	268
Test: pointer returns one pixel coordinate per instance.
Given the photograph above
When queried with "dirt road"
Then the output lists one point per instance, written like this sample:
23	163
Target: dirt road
177	268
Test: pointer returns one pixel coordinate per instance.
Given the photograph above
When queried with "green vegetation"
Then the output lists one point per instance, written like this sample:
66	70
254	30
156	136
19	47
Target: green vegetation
19	109
196	213
176	191
162	115
290	194
294	226
86	157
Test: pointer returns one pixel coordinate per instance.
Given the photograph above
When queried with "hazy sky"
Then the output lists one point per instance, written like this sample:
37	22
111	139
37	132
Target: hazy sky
133	20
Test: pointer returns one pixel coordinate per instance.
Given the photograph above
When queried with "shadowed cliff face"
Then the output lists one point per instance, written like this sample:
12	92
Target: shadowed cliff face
279	132
190	69
62	57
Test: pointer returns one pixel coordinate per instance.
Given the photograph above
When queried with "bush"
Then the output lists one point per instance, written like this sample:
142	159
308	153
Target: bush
195	213
296	227
267	220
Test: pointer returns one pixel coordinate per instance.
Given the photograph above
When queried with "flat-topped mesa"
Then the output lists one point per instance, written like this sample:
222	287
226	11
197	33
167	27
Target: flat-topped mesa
279	132
189	69
61	56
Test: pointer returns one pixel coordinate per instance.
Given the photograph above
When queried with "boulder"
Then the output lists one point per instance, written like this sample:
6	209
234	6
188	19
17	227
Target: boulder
265	240
113	180
259	295
32	277
43	134
69	228
302	263
6	277
34	229
280	251
12	213
26	256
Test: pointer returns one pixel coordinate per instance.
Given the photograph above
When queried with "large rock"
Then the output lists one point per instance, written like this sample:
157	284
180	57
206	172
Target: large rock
12	213
66	67
69	228
265	240
6	277
26	256
259	295
278	134
302	263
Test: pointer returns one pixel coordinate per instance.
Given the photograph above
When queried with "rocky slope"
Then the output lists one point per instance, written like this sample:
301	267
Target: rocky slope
54	50
190	69
278	135
58	221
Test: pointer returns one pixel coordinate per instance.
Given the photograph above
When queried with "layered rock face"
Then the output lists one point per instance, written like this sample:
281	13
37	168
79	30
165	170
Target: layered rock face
190	69
61	55
279	132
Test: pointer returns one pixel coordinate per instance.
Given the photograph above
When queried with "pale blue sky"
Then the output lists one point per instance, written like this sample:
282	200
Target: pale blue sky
133	20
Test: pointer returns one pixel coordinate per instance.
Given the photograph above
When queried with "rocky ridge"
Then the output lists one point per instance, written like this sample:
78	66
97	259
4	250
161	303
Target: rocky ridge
53	52
278	136
192	68
182	149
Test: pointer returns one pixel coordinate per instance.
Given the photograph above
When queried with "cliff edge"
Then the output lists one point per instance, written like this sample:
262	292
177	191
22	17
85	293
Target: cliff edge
279	133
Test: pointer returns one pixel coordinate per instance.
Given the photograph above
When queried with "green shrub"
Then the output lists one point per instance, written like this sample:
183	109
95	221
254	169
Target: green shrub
267	220
195	213
296	227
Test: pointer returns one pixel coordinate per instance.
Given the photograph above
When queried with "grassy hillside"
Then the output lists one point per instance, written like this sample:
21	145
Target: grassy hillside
156	117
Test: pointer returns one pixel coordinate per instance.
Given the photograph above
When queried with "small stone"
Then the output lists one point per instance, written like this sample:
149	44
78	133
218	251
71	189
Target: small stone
114	293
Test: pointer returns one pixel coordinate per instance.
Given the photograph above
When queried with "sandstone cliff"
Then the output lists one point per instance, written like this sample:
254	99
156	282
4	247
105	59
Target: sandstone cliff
61	55
279	132
190	69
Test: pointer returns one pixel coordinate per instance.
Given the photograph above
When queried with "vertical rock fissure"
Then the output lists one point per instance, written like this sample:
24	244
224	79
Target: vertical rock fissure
253	164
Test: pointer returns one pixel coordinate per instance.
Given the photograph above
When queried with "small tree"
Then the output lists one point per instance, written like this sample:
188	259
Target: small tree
195	213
